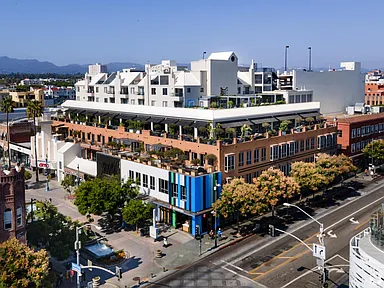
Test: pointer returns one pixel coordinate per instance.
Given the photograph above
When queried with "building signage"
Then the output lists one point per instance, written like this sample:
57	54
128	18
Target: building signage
41	164
319	251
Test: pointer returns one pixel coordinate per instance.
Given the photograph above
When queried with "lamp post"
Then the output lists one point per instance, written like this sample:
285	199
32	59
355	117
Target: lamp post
78	175
46	169
310	59
78	247
286	58
321	237
32	209
214	213
372	161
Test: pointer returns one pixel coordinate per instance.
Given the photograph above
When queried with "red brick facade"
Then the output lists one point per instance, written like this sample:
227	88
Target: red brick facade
12	203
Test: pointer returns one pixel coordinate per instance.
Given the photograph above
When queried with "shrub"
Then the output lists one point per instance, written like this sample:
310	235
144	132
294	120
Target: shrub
27	175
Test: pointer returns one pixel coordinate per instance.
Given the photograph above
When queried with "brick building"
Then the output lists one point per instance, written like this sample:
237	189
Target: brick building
12	205
355	132
374	93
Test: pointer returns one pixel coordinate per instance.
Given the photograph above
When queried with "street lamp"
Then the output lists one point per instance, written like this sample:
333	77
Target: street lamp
286	58
310	59
372	166
204	55
46	169
321	238
214	213
78	247
78	175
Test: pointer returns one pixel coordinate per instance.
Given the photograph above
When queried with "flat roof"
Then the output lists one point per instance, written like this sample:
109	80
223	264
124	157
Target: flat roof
356	118
217	115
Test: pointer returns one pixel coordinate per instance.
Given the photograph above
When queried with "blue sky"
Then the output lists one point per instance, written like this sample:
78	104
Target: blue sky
142	31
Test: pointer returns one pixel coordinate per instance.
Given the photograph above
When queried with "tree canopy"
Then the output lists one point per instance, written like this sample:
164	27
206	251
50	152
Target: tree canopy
334	166
275	186
104	195
375	149
308	176
52	231
136	212
22	267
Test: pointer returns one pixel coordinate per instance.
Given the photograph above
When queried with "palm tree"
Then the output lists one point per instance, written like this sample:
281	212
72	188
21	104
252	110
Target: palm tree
35	109
244	129
6	106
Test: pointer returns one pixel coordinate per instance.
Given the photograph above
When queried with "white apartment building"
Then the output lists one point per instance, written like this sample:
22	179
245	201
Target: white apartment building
97	68
335	89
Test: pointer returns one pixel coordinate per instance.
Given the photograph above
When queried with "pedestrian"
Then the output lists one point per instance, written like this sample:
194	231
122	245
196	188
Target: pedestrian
71	274
219	233
366	172
61	276
212	234
165	242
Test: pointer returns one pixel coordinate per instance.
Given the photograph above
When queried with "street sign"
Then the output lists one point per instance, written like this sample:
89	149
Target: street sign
319	251
76	268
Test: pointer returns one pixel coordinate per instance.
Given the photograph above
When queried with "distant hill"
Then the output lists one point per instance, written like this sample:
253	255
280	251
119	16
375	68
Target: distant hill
33	66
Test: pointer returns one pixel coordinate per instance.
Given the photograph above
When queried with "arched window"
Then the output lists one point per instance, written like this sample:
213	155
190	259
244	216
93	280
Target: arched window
8	219
19	216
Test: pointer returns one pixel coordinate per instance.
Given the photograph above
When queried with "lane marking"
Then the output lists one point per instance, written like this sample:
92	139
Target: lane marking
354	221
332	235
249	279
308	223
349	216
282	257
361	224
234	266
301	276
343	258
280	265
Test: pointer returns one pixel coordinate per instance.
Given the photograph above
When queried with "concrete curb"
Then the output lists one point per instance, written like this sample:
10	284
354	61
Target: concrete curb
237	240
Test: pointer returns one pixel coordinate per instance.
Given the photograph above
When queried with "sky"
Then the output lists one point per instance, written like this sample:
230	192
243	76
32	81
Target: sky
146	31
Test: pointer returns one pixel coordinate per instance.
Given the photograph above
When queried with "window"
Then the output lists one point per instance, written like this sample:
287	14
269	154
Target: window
376	128
153	91
249	157
105	89
256	156
274	152
284	150
307	144
358	146
183	193
202	90
302	147
238	90
321	142
256	174
138	178
353	133
78	89
164	80
153	103
241	159
353	148
291	99
296	146
175	191
309	97
165	103
339	133
8	219
229	162
313	143
131	175
297	98
188	90
248	178
263	154
152	183
145	180
132	101
303	98
105	100
19	216
165	91
291	148
358	130
163	186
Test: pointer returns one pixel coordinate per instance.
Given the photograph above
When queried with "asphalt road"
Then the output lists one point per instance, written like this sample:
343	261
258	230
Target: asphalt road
282	261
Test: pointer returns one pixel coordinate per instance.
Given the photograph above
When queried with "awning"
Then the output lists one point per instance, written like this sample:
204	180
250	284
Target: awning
114	115
101	113
169	121
155	119
184	122
282	118
198	124
71	110
262	120
312	114
127	116
141	118
236	124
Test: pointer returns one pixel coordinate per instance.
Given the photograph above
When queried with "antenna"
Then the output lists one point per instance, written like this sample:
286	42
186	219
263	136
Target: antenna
310	59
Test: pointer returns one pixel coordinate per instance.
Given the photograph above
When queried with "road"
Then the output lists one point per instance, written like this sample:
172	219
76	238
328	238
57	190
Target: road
283	261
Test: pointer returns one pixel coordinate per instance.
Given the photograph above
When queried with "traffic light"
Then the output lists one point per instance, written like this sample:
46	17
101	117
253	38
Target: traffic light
83	275
197	232
118	272
271	230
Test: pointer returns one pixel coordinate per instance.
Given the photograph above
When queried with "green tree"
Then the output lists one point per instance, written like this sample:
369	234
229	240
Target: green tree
6	106
52	231
240	197
375	149
68	182
137	212
284	125
35	109
22	267
275	186
27	175
231	132
104	195
173	153
334	166
244	129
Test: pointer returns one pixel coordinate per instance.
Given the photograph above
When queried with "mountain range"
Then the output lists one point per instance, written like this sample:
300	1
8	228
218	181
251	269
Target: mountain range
33	66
